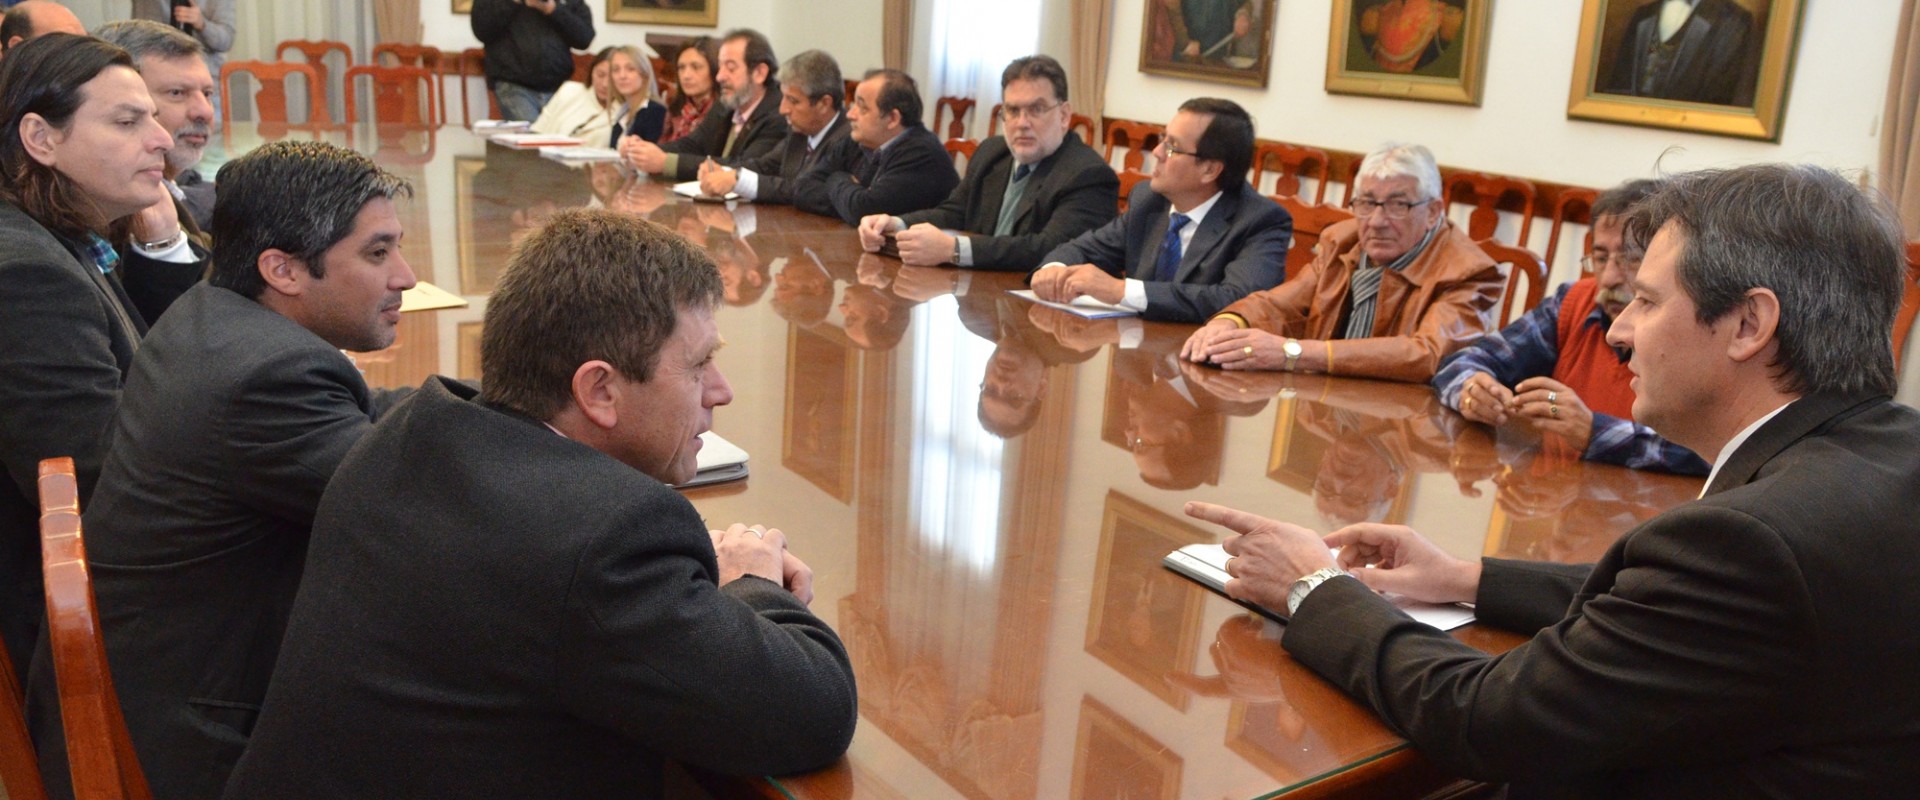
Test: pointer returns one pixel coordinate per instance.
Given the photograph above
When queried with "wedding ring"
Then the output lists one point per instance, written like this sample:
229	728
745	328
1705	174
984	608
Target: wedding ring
1552	397
1467	402
758	531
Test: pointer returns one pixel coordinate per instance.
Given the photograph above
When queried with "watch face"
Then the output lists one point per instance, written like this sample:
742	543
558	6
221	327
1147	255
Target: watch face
1291	348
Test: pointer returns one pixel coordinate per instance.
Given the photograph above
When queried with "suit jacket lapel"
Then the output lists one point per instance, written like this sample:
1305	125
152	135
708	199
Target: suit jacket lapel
1150	251
1212	230
993	190
1808	415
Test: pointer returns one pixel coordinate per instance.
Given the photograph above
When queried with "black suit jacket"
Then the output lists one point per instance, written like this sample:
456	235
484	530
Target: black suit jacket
67	336
1240	248
764	131
1717	59
777	169
233	420
493	610
911	173
1069	193
1755	643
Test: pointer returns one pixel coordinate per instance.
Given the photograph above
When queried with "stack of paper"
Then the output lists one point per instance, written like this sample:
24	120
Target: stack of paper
1206	564
486	126
581	153
1083	305
530	141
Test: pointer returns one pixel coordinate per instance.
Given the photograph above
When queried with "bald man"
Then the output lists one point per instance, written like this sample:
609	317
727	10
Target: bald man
36	18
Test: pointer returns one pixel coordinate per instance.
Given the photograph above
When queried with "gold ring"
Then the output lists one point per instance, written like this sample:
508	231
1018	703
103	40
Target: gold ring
1468	402
1247	350
1553	411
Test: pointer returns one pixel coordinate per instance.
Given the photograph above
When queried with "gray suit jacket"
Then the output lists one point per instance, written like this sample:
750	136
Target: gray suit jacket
1756	643
233	421
1240	248
1069	193
493	610
67	336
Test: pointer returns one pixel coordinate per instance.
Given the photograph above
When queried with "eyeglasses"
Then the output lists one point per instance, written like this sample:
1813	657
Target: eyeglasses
1167	146
1393	209
1592	262
1037	110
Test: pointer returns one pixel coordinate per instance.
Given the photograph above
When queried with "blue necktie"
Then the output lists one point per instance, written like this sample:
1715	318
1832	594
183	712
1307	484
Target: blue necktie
1169	261
1020	172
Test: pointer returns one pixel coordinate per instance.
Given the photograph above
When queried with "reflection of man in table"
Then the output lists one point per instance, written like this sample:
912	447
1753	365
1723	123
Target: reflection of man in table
1700	51
1755	642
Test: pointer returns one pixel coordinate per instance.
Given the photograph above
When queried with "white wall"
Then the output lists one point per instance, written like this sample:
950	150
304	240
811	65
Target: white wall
1833	104
849	29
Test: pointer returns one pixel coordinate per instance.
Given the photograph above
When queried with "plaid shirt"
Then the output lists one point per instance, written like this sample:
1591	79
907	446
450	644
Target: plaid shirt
101	252
1530	348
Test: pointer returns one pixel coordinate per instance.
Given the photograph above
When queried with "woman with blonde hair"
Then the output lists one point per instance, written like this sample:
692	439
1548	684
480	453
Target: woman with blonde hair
637	111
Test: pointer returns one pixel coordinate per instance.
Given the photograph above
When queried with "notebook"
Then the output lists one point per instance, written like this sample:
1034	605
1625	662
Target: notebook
719	461
1206	564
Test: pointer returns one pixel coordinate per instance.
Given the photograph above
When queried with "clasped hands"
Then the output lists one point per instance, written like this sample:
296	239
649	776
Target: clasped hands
743	550
1269	555
1549	405
1064	283
921	245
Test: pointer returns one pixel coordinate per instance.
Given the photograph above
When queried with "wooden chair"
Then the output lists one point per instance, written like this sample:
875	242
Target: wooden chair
1484	192
956	148
316	52
1294	162
270	100
396	95
418	55
19	774
1129	179
472	63
1909	304
851	85
99	752
1078	123
1309	222
582	67
665	78
1353	178
1575	206
961	110
1138	137
1521	263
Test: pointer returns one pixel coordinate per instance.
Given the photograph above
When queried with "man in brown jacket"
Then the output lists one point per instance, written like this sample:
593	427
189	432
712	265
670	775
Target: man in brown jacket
1392	292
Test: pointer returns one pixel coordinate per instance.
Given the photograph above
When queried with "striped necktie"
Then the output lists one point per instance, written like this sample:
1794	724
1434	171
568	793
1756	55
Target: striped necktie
1168	263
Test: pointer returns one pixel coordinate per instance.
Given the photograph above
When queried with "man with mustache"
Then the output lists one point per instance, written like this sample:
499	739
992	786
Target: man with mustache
745	125
237	409
1554	368
174	67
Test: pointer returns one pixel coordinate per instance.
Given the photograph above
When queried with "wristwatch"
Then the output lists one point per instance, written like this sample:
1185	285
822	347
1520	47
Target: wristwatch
1298	592
1292	349
955	258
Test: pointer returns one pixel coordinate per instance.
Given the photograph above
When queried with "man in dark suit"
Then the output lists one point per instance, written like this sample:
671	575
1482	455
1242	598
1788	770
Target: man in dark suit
889	164
506	599
745	124
238	407
1700	51
1195	239
810	98
1025	193
1755	643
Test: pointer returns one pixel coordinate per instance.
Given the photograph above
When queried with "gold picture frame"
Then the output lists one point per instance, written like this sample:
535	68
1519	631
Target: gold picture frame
1229	50
691	13
1113	757
1432	50
817	434
1732	85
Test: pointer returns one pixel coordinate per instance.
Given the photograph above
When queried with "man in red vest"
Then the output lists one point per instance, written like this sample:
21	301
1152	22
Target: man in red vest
1554	368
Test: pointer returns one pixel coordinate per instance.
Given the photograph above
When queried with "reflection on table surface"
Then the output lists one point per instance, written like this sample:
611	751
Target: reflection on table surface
984	488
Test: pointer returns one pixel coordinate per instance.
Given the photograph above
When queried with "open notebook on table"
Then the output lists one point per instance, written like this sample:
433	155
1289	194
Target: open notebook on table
719	461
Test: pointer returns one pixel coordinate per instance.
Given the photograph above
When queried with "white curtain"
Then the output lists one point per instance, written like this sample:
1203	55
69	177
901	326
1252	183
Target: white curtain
972	41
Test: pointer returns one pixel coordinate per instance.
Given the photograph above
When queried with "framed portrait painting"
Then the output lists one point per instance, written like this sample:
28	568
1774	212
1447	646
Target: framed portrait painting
695	13
1225	41
1144	621
1719	66
1410	49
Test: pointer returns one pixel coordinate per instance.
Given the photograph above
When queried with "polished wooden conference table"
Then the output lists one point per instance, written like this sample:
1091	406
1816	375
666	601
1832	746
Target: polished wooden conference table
985	488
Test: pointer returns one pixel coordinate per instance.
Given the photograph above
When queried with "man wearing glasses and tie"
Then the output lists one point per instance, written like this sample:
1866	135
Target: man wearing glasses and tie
1025	193
1193	240
1392	292
1553	368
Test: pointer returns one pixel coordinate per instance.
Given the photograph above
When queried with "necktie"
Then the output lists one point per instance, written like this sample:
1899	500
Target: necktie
1021	172
1168	263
